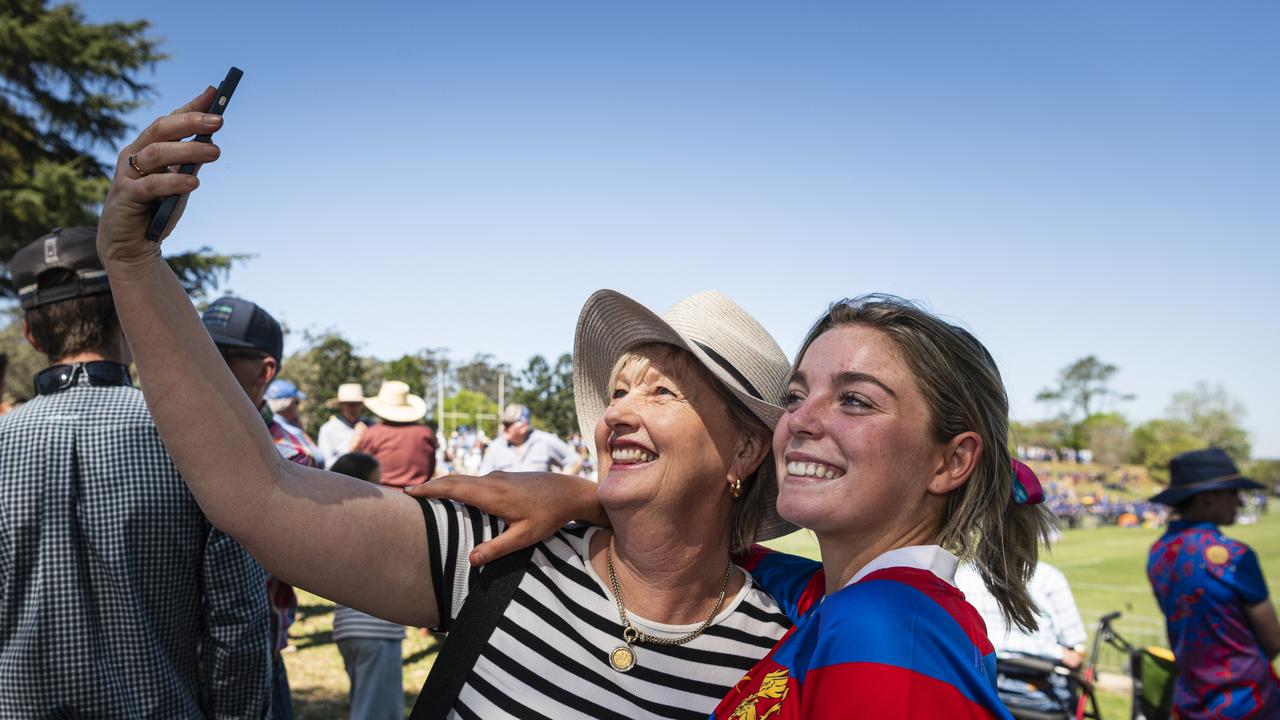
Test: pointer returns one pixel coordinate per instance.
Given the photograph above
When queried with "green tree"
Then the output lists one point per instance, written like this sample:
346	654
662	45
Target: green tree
1266	472
468	407
326	361
1106	435
419	371
1053	433
1155	442
66	86
24	361
480	374
1082	387
1214	417
548	391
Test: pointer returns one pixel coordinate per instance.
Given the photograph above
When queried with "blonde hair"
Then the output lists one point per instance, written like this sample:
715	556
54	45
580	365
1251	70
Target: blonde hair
744	513
962	387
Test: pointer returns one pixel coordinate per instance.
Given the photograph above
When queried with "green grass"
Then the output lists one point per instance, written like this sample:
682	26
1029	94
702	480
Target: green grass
316	675
1106	568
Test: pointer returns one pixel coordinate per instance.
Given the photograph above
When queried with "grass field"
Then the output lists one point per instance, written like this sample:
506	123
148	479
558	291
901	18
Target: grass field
1106	568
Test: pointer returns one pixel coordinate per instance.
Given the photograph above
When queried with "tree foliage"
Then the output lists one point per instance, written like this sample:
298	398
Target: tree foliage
468	407
1082	387
1155	442
24	361
480	374
1106	435
548	391
1213	416
326	361
66	86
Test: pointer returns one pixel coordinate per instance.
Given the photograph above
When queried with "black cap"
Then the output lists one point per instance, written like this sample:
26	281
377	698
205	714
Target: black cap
74	249
237	323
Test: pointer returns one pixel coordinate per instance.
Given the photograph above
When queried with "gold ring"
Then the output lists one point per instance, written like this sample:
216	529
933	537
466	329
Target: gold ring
133	163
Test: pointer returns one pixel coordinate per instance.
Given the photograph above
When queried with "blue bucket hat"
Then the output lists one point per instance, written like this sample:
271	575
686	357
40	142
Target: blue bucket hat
1192	473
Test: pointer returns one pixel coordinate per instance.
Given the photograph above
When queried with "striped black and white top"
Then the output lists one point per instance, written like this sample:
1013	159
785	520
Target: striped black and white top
548	657
351	624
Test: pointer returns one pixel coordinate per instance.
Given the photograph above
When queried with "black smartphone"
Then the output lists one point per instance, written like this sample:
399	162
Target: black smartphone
164	209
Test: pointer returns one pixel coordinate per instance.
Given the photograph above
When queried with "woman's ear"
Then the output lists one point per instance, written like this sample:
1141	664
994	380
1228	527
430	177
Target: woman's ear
959	460
751	451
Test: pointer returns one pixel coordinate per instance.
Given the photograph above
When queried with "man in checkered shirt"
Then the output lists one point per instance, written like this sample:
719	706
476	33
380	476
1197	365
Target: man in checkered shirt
117	597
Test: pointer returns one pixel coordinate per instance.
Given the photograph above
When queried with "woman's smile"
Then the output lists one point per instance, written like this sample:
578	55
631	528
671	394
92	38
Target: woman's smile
806	468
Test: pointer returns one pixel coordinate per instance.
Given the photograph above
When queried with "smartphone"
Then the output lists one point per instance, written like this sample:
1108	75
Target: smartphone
164	209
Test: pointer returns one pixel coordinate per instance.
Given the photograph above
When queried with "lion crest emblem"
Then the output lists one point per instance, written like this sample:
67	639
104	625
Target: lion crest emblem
766	700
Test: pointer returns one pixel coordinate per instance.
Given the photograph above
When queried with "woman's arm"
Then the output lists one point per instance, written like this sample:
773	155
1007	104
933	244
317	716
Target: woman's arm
534	505
355	543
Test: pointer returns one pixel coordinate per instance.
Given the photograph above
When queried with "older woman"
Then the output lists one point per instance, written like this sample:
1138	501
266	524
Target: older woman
648	619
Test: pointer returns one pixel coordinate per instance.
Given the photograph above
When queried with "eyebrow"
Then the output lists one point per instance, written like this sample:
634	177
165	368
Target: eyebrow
848	378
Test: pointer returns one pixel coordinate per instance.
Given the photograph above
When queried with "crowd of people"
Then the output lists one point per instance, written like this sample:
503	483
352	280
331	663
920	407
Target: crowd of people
150	544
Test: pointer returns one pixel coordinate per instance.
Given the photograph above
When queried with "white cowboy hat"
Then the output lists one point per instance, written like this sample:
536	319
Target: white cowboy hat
711	327
394	402
348	392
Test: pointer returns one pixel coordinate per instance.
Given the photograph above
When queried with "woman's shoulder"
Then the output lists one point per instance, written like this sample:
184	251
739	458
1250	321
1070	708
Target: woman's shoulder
796	583
888	601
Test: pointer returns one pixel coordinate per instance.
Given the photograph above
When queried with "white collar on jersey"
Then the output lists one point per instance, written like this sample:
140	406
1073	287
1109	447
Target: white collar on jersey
921	557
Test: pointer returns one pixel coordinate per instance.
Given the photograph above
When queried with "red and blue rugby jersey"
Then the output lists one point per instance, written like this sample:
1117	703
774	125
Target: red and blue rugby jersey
1204	581
899	644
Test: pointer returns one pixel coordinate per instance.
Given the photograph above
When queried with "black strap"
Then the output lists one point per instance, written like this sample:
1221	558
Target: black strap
490	595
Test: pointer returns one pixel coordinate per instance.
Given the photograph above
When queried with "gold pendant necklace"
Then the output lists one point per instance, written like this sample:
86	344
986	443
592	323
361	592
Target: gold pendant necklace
623	658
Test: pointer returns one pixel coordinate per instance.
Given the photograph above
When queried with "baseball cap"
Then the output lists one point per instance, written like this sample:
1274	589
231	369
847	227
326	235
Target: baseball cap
284	390
73	249
515	413
237	323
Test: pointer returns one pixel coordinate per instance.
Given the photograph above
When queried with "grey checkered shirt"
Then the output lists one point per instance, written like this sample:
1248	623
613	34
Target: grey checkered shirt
117	598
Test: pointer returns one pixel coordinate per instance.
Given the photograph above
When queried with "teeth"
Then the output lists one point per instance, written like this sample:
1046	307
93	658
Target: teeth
816	470
632	455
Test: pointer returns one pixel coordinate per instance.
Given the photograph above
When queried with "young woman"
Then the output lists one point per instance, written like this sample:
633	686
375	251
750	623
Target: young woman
893	450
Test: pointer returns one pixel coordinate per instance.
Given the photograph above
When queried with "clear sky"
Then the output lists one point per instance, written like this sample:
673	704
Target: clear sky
1064	179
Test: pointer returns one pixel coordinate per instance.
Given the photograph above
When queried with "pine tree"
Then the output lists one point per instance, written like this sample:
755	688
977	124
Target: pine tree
66	86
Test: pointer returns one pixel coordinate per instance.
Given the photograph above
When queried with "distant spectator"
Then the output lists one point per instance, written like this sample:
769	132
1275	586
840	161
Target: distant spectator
1222	626
251	343
371	648
341	432
402	445
285	402
1059	637
520	448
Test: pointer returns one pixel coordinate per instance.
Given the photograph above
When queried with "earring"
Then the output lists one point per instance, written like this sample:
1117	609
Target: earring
735	487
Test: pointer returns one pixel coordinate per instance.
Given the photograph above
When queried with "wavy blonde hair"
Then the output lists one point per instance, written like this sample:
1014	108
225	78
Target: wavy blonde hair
964	392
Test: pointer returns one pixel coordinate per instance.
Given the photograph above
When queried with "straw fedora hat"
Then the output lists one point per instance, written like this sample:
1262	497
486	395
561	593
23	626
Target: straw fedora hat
395	403
737	350
347	392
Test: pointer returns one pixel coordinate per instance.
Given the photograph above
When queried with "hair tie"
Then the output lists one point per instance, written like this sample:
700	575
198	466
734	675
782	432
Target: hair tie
1026	486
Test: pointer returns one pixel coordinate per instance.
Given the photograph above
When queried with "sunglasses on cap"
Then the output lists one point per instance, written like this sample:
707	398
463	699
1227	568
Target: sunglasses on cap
100	372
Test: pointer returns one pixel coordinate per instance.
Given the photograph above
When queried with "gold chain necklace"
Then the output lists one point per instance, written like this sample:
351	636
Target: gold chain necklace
623	658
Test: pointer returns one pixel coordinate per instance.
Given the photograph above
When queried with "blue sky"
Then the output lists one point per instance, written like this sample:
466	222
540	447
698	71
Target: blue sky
1063	179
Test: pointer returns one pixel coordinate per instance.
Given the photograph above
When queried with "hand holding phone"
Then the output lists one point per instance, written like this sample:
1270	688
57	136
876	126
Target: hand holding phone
164	209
